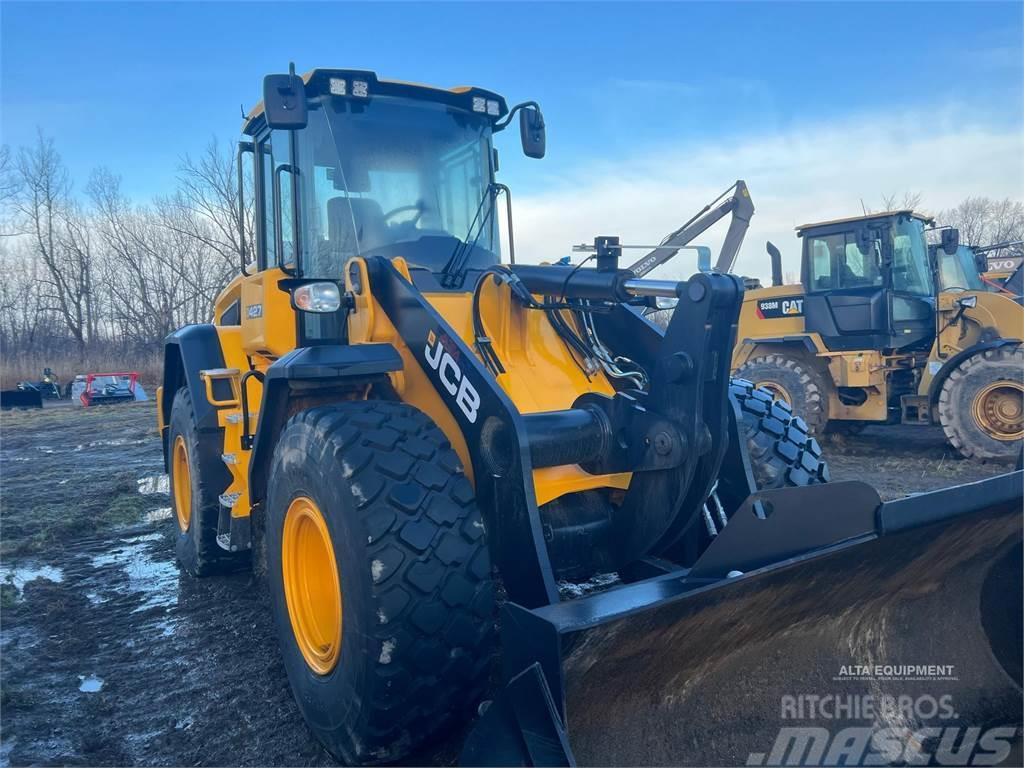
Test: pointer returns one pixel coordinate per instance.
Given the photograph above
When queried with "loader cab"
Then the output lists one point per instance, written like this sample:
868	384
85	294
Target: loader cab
347	164
868	282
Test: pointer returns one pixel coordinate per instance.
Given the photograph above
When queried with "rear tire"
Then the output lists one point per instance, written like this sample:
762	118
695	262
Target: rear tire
980	405
408	553
794	382
197	478
781	449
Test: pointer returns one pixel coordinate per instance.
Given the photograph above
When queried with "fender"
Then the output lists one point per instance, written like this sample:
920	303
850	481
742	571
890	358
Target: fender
797	340
950	365
188	351
323	366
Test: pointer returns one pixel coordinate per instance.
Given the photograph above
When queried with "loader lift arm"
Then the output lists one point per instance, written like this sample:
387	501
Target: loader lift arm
738	204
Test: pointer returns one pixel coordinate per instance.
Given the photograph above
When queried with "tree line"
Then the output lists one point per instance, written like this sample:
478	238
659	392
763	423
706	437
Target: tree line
90	274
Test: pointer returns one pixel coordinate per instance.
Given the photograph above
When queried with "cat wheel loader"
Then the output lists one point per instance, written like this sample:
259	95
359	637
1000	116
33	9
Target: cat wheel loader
438	455
887	329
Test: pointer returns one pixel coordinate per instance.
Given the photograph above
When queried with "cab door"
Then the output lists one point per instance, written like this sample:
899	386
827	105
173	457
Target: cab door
267	318
847	299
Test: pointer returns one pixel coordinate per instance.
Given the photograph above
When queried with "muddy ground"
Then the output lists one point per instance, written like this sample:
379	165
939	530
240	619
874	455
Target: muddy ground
110	656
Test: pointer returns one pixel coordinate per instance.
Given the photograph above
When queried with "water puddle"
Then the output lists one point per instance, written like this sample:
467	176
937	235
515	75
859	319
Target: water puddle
116	442
21	575
90	684
167	627
154	484
155	581
156	515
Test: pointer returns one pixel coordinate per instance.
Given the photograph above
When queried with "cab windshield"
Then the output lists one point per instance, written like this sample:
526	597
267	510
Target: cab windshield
959	270
397	177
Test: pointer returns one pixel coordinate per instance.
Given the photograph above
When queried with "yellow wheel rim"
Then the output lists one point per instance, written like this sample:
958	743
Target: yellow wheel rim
312	590
778	391
999	410
181	476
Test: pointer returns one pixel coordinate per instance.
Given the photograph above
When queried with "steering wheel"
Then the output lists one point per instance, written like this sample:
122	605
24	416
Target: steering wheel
419	207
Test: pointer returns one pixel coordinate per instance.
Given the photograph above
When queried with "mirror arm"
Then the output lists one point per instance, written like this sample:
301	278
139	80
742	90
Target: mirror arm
503	124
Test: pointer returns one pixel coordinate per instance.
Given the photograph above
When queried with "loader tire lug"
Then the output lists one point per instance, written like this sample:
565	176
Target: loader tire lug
782	452
794	384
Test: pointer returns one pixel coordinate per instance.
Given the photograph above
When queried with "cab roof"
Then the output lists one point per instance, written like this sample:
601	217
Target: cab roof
866	217
318	82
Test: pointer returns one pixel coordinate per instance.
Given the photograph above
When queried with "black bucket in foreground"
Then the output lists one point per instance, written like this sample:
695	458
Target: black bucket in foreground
857	633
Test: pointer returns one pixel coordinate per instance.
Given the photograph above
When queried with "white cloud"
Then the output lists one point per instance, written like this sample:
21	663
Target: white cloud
817	172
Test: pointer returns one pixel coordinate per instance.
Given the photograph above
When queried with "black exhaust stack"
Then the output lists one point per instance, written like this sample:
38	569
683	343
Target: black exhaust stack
776	258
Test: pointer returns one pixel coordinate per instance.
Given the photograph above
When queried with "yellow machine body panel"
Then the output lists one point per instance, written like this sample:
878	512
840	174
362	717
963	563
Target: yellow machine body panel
268	320
770	313
540	374
996	315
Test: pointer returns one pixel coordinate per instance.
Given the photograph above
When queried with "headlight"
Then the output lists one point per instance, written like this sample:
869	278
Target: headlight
968	302
317	297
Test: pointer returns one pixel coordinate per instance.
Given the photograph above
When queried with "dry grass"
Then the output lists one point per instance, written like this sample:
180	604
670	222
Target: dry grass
28	366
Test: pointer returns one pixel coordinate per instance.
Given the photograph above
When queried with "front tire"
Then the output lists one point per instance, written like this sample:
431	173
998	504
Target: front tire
197	477
981	404
385	614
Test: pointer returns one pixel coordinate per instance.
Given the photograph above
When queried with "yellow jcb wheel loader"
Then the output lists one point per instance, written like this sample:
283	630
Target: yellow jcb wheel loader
885	329
431	449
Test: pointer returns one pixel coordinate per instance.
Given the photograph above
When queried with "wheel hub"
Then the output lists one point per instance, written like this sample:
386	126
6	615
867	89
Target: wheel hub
181	473
311	586
778	391
999	410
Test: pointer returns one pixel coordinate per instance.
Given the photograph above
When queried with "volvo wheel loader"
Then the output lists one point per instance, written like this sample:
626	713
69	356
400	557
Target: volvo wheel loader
885	329
429	446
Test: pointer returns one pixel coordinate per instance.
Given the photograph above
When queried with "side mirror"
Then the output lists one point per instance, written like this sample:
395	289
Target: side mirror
284	102
531	131
950	240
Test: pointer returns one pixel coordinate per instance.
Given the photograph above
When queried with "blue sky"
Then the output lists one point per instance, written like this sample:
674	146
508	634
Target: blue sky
135	86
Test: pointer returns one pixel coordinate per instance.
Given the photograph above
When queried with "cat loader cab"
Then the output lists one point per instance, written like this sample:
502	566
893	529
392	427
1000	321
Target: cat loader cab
884	329
867	282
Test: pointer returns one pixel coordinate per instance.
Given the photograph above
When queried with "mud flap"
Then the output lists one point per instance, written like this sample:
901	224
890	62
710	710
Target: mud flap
857	633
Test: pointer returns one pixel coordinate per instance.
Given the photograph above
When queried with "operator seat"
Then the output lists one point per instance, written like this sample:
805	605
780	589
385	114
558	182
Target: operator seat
355	225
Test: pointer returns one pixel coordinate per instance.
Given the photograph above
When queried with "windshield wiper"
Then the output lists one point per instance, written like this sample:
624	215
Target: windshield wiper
454	273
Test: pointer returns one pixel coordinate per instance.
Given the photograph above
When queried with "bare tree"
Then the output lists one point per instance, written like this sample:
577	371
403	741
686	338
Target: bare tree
908	201
207	205
984	221
54	226
8	190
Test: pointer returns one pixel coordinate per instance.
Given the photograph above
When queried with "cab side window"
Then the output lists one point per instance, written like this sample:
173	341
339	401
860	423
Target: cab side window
836	262
267	248
820	265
